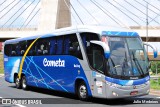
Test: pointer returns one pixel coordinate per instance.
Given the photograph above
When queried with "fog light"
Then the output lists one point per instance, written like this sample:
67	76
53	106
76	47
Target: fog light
148	91
114	94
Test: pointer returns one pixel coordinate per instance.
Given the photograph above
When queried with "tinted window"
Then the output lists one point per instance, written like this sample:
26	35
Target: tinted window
32	51
59	44
56	45
22	47
86	38
72	46
42	46
96	57
7	49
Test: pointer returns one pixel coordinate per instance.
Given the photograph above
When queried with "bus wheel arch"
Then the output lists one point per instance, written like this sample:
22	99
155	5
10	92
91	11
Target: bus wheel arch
81	87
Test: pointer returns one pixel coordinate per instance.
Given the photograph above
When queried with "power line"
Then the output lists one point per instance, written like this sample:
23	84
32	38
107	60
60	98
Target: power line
123	12
30	14
88	11
152	5
154	18
22	12
15	13
104	12
10	9
32	18
129	11
111	15
140	11
7	5
3	2
145	7
76	13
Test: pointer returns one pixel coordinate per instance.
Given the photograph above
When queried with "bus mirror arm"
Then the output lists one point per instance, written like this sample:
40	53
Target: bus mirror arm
155	52
104	46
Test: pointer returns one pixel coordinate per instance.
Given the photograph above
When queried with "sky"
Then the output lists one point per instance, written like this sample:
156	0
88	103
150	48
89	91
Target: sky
100	12
125	12
12	15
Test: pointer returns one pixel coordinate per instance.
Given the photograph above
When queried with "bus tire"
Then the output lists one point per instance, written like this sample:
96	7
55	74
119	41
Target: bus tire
24	83
82	91
18	82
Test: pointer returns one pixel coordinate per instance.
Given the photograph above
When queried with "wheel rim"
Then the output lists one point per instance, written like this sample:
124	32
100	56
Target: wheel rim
82	91
24	83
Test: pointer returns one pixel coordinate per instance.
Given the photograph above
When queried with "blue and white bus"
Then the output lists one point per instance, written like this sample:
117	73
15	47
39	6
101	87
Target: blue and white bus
90	61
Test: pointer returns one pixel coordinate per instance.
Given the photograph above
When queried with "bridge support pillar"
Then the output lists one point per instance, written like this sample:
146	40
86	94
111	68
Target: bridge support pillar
54	14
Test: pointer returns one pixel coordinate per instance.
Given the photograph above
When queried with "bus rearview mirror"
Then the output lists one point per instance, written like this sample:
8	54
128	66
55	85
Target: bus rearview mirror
155	52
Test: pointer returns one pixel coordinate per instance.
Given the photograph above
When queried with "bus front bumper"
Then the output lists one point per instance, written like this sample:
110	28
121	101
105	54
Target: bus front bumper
127	91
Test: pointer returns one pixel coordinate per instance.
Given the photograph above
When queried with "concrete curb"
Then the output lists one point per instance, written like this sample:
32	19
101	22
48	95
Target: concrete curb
154	92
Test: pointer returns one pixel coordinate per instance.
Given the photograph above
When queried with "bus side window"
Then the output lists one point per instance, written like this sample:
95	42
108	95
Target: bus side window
74	48
22	46
13	51
66	45
86	38
7	49
59	45
52	46
42	47
32	51
97	60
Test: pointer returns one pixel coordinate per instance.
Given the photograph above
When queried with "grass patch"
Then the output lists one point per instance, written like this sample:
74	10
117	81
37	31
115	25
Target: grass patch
1	64
155	84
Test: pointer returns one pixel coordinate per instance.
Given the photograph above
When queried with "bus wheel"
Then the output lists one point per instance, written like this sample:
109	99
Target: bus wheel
18	82
82	91
24	83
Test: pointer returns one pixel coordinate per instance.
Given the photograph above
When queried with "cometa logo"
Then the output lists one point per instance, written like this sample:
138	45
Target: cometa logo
53	63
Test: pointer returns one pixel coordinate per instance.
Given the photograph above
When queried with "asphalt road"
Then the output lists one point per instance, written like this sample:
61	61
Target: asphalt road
60	99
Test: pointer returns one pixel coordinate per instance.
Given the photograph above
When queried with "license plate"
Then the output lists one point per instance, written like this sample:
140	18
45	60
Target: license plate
134	93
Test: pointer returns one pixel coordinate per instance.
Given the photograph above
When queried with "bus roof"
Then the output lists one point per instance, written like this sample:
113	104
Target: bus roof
101	30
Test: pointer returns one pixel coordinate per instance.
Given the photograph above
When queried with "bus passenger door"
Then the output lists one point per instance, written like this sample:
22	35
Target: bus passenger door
98	77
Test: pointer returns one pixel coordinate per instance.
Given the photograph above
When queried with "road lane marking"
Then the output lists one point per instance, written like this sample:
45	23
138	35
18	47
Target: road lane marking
157	97
20	105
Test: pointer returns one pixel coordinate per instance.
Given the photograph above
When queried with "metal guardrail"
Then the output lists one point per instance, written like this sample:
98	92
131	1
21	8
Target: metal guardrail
155	77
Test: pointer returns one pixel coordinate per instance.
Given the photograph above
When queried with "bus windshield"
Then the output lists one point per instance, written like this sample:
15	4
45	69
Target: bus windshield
128	58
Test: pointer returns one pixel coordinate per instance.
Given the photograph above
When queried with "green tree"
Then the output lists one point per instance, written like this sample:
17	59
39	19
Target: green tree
155	64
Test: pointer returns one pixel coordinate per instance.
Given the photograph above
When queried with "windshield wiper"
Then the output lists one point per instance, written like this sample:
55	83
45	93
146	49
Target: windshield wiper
113	65
139	66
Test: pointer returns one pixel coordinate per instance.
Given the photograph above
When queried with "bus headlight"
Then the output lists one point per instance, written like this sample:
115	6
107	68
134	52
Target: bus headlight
108	83
114	93
116	85
113	84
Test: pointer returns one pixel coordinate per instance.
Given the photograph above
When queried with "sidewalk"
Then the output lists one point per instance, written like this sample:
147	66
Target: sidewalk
1	75
154	92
